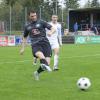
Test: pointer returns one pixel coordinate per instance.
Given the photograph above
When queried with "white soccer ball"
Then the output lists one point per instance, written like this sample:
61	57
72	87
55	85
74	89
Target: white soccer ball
83	83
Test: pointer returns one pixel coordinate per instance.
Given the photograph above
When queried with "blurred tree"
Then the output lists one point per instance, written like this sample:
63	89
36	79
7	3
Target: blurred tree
10	2
69	4
95	3
87	4
72	4
45	9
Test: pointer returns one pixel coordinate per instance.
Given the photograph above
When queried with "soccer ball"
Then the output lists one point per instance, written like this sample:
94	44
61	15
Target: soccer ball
83	83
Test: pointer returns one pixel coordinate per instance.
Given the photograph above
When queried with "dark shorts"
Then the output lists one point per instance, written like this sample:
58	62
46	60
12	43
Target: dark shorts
44	47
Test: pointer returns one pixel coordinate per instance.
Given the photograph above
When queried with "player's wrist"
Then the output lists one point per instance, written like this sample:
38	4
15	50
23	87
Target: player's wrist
60	44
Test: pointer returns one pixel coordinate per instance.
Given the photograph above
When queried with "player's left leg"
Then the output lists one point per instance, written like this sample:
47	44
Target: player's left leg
43	62
55	48
35	60
56	58
37	50
47	52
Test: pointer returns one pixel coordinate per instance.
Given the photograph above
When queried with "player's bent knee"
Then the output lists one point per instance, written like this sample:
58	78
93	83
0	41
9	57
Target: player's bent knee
40	55
56	51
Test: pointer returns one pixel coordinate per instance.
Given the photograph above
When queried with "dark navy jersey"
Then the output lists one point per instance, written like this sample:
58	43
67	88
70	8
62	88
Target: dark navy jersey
36	30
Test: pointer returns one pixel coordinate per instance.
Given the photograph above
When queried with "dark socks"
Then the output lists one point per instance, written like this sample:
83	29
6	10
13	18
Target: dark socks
42	61
40	70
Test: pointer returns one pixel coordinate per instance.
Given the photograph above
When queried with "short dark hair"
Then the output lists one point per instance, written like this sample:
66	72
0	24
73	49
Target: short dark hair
32	11
54	15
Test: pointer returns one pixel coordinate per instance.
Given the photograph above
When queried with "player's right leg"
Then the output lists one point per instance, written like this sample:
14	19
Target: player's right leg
43	61
43	65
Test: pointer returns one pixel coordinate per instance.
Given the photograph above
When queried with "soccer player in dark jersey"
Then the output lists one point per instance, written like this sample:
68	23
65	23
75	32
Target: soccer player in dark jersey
40	45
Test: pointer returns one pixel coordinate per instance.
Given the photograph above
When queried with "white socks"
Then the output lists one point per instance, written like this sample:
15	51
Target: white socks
56	61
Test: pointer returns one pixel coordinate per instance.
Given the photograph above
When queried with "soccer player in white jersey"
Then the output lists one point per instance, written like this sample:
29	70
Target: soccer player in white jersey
55	40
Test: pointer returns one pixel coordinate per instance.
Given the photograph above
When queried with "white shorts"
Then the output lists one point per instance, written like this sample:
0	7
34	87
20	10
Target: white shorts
54	44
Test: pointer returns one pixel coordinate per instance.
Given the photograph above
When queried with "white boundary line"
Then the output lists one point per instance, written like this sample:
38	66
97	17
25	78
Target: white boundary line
9	62
21	61
96	55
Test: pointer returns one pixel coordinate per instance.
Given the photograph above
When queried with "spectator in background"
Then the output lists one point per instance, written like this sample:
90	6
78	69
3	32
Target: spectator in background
76	28
94	29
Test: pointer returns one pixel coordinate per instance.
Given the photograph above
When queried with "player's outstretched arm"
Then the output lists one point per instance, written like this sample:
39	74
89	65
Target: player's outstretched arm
24	40
59	35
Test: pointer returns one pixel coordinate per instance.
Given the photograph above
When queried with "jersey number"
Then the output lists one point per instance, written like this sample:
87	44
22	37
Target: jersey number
35	31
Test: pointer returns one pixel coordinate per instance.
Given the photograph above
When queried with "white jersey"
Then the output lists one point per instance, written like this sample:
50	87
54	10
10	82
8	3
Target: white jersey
55	39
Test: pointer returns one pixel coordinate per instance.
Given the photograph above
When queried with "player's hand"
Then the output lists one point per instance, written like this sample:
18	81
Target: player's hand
22	51
60	44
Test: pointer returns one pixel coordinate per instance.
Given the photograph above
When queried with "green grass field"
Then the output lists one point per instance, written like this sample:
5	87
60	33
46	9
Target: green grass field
17	82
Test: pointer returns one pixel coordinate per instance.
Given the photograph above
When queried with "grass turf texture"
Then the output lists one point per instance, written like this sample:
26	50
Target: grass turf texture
17	82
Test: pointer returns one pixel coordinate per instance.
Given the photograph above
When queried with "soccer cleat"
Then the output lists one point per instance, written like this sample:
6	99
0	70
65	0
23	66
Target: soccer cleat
36	75
55	69
45	67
